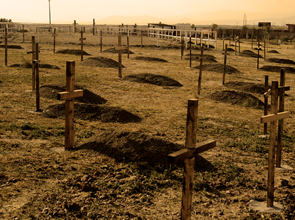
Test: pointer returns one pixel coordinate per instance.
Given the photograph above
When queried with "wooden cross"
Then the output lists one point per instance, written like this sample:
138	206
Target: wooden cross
188	156
101	41
272	118
190	52
82	39
182	46
264	49
200	71
5	37
36	64
266	93
33	52
258	55
224	65
54	35
119	49
141	41
69	95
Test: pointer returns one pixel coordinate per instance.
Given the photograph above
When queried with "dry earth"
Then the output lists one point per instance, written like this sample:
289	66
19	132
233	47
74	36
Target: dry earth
118	168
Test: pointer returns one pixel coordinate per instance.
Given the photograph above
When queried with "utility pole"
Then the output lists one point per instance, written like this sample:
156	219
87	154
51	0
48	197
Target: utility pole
49	15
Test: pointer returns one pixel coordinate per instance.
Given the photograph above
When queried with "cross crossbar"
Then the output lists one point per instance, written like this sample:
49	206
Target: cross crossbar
274	117
70	95
267	93
284	88
182	154
36	61
54	35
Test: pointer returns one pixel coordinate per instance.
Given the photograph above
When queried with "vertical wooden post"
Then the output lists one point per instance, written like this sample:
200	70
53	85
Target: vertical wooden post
75	26
190	52
239	46
6	36
235	46
189	163
37	79
128	46
54	34
271	150
182	46
33	66
93	29
101	41
258	56
23	33
264	49
69	124
81	45
120	55
141	39
281	122
224	65
223	43
200	72
252	40
265	102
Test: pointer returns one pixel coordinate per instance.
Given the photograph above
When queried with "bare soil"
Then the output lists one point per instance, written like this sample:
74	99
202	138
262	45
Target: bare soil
29	65
277	68
219	68
278	60
273	51
91	112
152	79
249	53
153	59
103	62
246	86
72	51
112	50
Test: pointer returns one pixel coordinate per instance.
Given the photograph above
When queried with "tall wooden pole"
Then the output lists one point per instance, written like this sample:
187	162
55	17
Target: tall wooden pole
200	72
224	65
101	41
258	56
141	39
264	49
265	102
182	45
37	79
190	53
128	46
93	29
281	122
271	150
81	45
23	33
120	55
6	36
189	163
33	66
54	34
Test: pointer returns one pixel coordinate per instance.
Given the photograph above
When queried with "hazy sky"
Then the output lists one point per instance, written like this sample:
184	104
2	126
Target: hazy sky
86	10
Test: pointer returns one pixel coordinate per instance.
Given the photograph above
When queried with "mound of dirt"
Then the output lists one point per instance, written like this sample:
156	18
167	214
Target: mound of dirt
207	57
273	51
91	112
218	68
152	79
276	60
50	91
151	59
230	49
237	98
72	51
205	46
257	48
101	62
246	86
277	69
249	53
29	65
12	46
112	50
138	147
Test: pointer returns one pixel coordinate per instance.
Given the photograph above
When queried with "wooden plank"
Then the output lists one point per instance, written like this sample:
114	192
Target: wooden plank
69	95
284	88
265	108
182	154
274	117
266	94
272	142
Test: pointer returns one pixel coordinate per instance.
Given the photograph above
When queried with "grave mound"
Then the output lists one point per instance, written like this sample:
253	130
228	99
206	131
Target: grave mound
230	49
257	48
112	50
91	112
29	65
277	69
72	51
276	60
249	53
12	46
101	62
246	86
50	91
207	57
154	59
205	46
273	51
152	79
237	98
138	147
218	68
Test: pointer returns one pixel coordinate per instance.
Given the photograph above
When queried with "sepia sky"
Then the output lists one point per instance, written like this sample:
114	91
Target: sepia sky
86	10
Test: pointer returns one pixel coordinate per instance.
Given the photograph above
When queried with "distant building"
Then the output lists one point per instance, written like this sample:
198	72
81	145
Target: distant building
264	24
291	27
161	25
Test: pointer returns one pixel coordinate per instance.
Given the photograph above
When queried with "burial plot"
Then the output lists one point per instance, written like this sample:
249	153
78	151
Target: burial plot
246	86
249	53
152	59
101	62
237	98
219	68
207	58
72	51
277	69
12	46
273	51
152	79
277	60
51	91
112	50
28	65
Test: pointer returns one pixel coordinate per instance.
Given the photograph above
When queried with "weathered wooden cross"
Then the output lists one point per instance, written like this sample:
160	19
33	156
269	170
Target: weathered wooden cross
101	41
188	156
272	118
200	71
258	54
33	52
182	46
69	95
119	49
266	93
5	37
224	65
82	39
190	52
54	35
36	63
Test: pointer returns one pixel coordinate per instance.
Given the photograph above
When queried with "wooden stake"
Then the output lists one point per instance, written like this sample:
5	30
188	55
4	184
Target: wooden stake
93	29
23	33
239	46
235	46
190	53
141	40
101	41
264	49
182	45
224	65
128	46
5	46
200	72
258	56
223	43
54	35
82	39
120	55
252	41
37	79
265	101
271	151
33	66
281	122
69	95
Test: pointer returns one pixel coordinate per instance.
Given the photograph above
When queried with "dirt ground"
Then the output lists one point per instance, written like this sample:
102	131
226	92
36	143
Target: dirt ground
124	131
